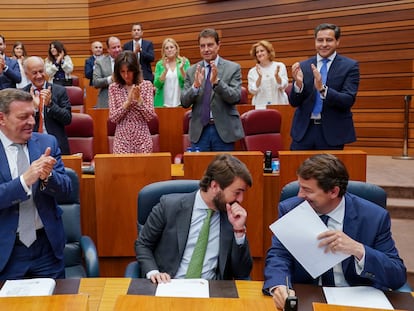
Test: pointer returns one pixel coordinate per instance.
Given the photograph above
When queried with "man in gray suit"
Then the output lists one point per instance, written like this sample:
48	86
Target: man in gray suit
167	242
104	67
215	122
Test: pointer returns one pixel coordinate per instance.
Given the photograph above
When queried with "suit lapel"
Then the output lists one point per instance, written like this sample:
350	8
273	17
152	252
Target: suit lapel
183	221
226	238
4	164
34	153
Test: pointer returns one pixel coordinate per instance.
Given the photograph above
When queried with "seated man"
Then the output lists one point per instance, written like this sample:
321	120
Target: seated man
167	244
356	227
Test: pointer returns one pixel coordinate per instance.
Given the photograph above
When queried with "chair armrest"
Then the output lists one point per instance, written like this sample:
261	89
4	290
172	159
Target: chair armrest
132	270
90	255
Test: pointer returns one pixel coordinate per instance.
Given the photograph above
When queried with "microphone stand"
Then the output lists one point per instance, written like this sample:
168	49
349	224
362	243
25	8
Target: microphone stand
404	156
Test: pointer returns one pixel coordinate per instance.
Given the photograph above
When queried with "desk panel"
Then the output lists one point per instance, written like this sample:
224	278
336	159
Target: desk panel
354	160
42	303
118	178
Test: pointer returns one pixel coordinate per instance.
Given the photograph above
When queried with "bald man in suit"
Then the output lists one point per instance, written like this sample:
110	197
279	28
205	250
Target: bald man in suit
104	67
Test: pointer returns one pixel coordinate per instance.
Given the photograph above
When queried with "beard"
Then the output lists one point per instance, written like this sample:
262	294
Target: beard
219	202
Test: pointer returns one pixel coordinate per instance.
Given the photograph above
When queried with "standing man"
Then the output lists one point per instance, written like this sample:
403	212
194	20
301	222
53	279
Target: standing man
52	105
104	67
212	88
97	53
167	244
323	92
9	68
356	227
31	175
144	50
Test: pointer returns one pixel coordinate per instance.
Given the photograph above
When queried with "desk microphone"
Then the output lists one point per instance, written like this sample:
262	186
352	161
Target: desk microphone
291	303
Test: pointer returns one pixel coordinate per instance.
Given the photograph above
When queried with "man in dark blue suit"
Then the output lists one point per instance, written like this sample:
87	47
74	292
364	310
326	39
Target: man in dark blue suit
97	53
144	50
356	227
56	111
44	178
329	125
9	68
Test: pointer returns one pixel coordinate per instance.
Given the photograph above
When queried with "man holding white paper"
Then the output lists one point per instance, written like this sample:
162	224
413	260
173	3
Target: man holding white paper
356	227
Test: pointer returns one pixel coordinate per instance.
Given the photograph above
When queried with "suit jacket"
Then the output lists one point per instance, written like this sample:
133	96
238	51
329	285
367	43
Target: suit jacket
103	69
224	97
89	64
146	57
12	193
337	124
162	240
12	76
364	222
57	115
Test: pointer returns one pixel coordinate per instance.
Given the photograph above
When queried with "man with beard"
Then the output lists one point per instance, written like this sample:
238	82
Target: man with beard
166	245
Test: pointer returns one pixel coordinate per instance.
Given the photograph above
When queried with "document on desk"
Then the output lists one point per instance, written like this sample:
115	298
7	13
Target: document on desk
298	231
357	296
195	288
28	287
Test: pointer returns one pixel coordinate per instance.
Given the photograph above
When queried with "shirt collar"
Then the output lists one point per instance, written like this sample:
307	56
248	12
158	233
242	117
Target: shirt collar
338	213
331	58
215	62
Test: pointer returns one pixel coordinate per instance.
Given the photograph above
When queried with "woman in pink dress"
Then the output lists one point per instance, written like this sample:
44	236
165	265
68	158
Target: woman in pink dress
130	106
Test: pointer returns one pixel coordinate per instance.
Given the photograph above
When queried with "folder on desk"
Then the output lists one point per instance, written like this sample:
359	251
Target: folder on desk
28	287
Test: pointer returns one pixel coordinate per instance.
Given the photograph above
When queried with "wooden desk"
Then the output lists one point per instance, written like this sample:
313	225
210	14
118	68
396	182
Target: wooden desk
104	292
42	303
171	127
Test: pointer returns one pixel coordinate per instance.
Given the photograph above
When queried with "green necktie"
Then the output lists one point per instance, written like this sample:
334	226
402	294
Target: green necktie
196	263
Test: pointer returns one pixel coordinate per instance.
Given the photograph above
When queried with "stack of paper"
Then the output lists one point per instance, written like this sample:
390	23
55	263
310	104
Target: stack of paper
28	287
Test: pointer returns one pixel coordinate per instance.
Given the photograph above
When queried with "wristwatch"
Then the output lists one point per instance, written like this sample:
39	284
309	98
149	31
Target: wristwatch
215	84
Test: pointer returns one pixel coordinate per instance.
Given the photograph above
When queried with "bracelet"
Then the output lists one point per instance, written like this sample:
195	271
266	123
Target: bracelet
240	230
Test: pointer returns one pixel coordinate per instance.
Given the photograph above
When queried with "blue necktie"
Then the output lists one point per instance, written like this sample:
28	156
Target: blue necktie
317	108
205	109
327	277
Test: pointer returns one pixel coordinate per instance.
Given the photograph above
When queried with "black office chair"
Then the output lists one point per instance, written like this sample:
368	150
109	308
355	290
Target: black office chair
80	255
364	190
148	197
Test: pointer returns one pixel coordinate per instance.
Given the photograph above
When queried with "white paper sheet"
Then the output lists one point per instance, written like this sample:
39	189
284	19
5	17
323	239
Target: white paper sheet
298	231
197	288
28	287
357	296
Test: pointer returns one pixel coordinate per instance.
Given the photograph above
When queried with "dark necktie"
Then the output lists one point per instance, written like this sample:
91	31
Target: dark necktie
205	109
327	277
317	108
27	229
195	266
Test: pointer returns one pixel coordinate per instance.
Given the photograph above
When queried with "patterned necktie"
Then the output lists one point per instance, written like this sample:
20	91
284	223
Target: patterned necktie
196	263
205	109
327	277
317	108
40	109
27	229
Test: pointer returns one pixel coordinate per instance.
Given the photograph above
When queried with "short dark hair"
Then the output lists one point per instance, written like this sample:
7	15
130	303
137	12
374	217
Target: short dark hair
7	96
333	27
327	170
129	59
209	32
223	169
